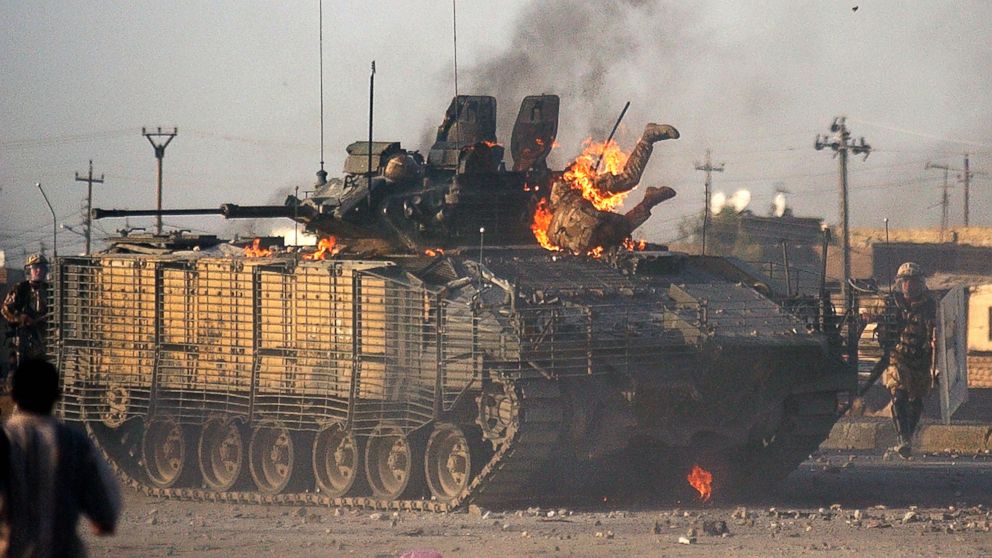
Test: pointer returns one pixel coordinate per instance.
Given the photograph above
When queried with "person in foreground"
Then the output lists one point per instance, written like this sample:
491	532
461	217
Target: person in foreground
49	474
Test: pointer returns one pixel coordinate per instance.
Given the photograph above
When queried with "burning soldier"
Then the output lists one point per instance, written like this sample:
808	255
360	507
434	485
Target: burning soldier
578	226
25	310
911	315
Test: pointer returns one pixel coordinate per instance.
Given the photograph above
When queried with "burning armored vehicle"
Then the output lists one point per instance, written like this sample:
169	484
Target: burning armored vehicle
442	347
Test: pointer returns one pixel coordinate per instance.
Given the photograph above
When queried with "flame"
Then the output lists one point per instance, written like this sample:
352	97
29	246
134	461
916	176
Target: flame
326	246
539	226
256	251
580	175
434	252
702	481
635	245
489	144
596	252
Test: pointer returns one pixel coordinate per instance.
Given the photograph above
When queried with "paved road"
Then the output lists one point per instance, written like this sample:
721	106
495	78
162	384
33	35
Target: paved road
834	505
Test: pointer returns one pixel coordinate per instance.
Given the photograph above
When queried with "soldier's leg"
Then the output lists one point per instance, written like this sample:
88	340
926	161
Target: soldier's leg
915	412
640	213
638	160
900	419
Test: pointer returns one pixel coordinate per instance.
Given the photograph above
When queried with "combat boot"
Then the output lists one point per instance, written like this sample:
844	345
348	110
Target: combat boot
655	195
658	132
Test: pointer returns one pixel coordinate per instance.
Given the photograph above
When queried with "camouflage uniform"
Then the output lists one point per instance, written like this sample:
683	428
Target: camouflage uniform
577	226
909	374
25	309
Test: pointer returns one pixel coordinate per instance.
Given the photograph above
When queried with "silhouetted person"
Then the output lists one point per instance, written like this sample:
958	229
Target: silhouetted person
50	474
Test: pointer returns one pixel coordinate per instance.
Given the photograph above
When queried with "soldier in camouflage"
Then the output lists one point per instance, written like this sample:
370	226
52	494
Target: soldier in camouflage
909	376
25	309
577	226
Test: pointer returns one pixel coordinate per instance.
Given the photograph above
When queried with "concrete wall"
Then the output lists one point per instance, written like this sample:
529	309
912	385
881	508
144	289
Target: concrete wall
979	318
935	258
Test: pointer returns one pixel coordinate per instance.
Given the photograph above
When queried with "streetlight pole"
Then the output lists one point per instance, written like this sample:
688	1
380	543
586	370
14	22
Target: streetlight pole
55	226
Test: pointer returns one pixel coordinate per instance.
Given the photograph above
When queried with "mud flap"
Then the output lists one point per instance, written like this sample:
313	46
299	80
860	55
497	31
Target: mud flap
952	351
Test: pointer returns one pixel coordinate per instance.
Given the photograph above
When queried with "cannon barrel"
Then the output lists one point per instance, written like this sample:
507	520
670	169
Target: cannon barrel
228	210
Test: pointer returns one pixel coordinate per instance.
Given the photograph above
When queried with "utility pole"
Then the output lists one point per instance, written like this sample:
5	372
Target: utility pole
967	187
966	178
943	198
90	181
841	143
709	169
159	154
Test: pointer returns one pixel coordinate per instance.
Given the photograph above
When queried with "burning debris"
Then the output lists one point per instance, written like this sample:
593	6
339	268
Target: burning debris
702	481
578	216
255	250
327	246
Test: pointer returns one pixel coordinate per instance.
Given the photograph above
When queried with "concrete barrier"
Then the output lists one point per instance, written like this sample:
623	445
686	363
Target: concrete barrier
869	434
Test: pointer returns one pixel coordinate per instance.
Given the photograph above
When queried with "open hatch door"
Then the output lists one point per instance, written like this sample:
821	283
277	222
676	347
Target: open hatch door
952	351
534	131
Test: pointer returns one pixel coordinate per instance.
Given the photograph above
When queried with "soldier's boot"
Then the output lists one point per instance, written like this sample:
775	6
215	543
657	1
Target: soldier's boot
638	160
659	132
900	419
652	197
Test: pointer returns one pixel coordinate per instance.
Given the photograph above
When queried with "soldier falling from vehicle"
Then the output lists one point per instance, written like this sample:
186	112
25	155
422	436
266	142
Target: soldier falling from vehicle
579	227
25	309
910	316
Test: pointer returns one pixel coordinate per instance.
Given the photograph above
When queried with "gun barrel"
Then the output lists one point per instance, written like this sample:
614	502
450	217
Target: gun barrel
98	213
228	210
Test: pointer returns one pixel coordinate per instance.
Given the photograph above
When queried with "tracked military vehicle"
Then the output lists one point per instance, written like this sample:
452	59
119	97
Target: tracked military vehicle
438	356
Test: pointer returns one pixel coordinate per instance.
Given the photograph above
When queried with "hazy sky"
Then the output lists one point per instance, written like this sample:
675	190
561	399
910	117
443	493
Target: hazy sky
753	81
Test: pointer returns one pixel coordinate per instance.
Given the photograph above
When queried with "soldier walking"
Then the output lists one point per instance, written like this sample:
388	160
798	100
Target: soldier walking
910	325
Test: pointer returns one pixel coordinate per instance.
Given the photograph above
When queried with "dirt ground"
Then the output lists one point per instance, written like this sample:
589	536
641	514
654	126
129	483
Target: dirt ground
835	505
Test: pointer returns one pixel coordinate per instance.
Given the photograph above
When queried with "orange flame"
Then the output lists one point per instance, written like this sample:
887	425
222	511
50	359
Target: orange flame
702	481
581	175
635	245
326	247
255	250
596	252
539	226
435	252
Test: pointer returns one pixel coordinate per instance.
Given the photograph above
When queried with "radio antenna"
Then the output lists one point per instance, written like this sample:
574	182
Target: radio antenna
454	34
320	18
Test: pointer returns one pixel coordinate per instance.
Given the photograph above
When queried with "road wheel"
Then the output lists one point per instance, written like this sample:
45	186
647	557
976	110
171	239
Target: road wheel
448	461
164	452
271	457
336	456
393	464
221	453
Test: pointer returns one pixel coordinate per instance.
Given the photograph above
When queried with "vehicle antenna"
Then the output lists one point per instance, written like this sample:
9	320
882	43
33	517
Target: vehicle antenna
454	33
612	133
322	174
371	101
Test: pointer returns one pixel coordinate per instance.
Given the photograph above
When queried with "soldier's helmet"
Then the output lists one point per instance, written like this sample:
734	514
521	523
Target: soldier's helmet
36	259
909	269
401	168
